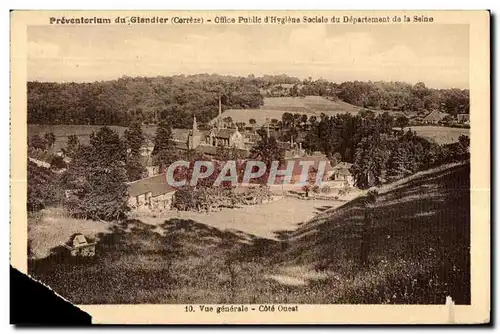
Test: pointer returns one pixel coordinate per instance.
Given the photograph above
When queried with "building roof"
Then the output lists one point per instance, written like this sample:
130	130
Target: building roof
435	116
284	145
316	159
212	150
157	185
342	165
207	149
342	168
147	161
252	136
183	145
224	133
180	134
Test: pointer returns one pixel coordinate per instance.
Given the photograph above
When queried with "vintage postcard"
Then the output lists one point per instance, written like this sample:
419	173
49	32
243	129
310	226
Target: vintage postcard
253	167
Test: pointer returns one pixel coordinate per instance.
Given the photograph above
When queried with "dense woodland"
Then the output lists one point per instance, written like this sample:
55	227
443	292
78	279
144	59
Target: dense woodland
177	98
118	102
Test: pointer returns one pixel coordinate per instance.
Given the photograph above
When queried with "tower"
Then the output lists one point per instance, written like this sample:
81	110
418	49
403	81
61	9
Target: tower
194	137
219	120
195	125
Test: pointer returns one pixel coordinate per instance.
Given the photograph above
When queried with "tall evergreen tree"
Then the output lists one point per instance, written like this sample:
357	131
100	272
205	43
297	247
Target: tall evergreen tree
107	147
397	164
37	143
50	139
134	137
164	151
72	146
97	178
370	161
43	187
267	150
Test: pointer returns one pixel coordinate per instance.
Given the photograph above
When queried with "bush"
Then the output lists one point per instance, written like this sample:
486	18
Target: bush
326	190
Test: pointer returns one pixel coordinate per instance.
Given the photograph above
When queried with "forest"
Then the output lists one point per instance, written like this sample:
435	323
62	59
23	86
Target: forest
176	98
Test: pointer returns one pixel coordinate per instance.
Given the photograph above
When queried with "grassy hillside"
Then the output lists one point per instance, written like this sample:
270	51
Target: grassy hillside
419	253
308	104
274	107
419	242
440	134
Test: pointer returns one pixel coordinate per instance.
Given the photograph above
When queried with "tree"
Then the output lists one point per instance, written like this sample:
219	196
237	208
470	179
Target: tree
447	120
37	142
57	162
135	170
43	188
50	139
397	164
402	122
134	138
240	126
107	147
71	146
336	159
386	122
370	160
97	178
303	121
106	196
228	121
164	151
460	150
311	181
222	153
267	151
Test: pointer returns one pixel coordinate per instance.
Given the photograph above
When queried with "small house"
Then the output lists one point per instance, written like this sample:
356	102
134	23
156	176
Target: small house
463	118
151	194
434	117
226	138
341	174
148	163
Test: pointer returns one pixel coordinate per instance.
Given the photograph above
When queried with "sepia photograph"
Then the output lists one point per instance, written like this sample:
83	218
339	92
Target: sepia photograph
240	163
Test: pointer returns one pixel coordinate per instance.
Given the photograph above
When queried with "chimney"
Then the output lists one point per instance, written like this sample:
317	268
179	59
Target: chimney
195	125
220	111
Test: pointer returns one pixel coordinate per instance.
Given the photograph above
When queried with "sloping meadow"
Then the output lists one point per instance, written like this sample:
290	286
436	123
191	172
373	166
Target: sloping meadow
418	253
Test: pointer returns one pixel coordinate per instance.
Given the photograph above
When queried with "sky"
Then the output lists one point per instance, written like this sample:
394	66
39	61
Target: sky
437	55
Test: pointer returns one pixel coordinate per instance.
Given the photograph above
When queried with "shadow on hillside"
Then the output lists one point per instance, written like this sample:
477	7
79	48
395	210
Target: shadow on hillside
425	222
323	208
174	239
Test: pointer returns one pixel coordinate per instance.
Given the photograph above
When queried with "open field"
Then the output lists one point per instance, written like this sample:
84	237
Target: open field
261	220
309	104
62	132
418	253
274	107
440	134
52	227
